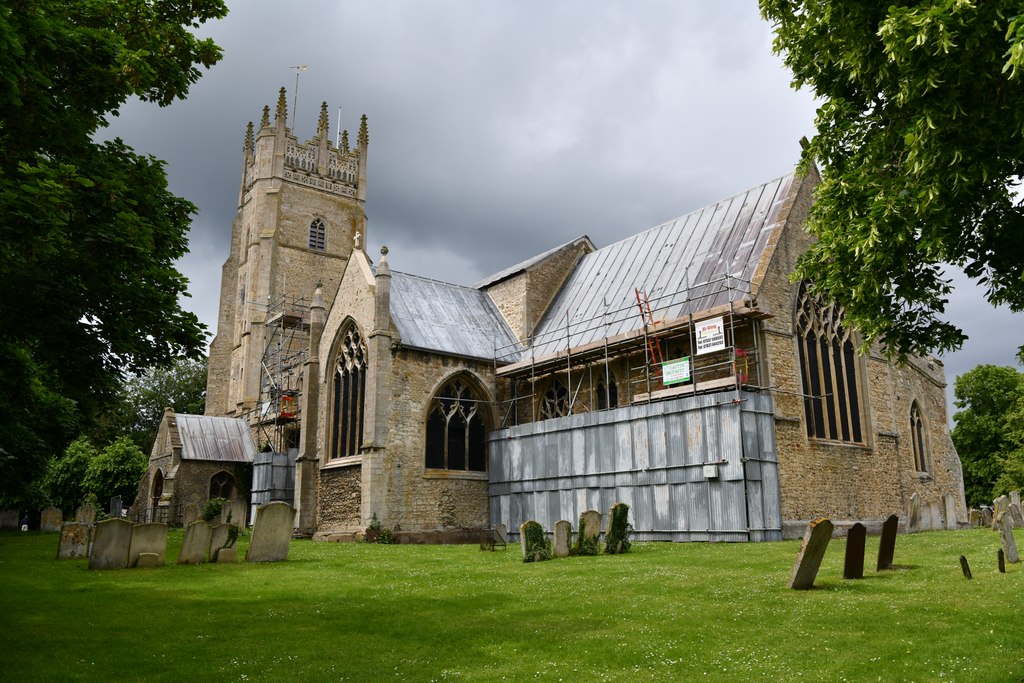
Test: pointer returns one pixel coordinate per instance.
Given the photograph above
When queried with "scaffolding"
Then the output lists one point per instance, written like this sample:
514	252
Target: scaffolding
286	346
665	332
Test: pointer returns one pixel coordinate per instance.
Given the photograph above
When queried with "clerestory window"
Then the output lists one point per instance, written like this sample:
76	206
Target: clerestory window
828	365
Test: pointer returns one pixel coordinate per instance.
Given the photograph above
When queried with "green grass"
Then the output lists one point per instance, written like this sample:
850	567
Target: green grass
357	612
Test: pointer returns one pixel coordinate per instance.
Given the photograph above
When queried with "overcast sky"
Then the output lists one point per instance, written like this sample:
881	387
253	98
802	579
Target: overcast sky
500	129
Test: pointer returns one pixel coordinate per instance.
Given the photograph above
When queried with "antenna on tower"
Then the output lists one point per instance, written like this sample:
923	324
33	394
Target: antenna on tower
295	96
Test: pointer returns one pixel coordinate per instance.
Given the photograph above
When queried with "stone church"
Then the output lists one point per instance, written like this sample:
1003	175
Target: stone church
677	370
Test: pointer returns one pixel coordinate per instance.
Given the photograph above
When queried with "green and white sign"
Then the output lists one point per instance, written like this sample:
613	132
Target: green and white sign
675	371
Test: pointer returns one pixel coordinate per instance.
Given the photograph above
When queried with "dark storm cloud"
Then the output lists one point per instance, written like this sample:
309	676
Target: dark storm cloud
497	130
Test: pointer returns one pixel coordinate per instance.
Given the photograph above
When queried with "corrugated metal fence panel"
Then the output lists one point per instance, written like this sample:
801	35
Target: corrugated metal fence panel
273	478
651	457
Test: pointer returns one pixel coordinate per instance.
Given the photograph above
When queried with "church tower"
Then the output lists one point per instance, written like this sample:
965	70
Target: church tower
301	208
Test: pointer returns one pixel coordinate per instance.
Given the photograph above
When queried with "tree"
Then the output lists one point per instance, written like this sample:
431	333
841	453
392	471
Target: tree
990	401
920	135
64	482
116	470
88	230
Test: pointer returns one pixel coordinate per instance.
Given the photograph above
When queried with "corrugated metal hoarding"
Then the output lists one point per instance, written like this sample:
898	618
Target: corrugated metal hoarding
699	468
273	478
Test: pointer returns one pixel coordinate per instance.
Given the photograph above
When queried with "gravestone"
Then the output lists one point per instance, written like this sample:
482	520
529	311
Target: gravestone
563	532
9	520
74	540
148	538
1015	497
227	556
190	514
934	516
965	568
233	512
501	534
999	506
112	539
149	561
535	545
1013	511
590	524
887	544
1008	541
116	507
812	550
196	546
853	564
950	504
977	519
914	513
219	535
51	519
271	532
1001	560
986	516
86	514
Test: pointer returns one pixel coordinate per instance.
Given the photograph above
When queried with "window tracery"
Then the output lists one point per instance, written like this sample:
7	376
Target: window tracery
456	433
349	392
917	439
317	235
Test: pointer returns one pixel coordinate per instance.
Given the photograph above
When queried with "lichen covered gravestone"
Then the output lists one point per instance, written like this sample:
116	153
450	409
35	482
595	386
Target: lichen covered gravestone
190	514
86	514
148	538
812	551
51	519
535	544
74	540
111	541
563	532
271	533
196	546
1009	542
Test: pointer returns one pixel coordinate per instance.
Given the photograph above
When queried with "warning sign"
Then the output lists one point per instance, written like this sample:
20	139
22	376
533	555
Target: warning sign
710	335
675	371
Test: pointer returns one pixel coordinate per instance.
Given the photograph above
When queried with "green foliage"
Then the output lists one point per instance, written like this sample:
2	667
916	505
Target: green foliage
89	231
617	540
386	537
64	482
213	508
538	545
920	135
585	545
116	471
989	428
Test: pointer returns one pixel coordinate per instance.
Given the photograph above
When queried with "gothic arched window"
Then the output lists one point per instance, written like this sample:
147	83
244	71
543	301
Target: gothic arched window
917	439
828	365
456	434
607	395
349	391
555	401
222	485
317	235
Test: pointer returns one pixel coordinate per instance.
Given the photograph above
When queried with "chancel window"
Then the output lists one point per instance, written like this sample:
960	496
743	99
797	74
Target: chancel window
555	401
607	394
828	364
456	434
349	391
317	235
222	485
917	439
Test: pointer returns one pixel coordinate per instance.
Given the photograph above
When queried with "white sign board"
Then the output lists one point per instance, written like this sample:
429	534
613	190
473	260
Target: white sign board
675	371
710	335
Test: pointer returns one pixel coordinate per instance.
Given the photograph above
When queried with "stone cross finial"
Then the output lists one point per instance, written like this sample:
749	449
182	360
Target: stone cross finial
282	107
323	124
265	120
364	134
384	251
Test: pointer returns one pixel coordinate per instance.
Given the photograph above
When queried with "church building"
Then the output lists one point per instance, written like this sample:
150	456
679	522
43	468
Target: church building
677	370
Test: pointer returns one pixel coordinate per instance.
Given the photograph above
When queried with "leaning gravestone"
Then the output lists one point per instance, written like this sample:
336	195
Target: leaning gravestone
914	513
51	519
271	532
86	514
74	540
1013	511
812	551
950	503
986	516
196	546
1009	543
965	568
148	538
190	514
853	564
999	507
887	544
110	544
219	536
500	533
1015	497
563	532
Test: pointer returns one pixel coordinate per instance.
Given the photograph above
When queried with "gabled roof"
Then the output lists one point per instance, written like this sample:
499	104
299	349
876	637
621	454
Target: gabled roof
525	265
692	264
218	439
446	318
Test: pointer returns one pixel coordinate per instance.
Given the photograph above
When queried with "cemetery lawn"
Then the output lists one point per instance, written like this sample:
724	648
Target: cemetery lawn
358	612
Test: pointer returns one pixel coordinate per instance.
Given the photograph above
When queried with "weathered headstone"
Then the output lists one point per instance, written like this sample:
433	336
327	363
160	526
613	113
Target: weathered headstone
977	519
1001	560
51	519
190	514
1008	541
149	561
196	546
271	532
812	550
148	538
590	524
219	535
1015	497
999	507
111	542
501	533
227	555
1014	512
86	514
563	532
74	540
853	563
233	512
116	507
8	520
914	513
887	544
950	504
986	516
965	568
934	516
535	544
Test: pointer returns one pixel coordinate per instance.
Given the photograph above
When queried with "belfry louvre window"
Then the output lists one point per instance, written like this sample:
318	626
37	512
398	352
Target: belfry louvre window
456	434
828	364
917	439
317	235
349	391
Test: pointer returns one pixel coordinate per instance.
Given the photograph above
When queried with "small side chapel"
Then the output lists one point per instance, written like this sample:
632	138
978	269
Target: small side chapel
677	370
